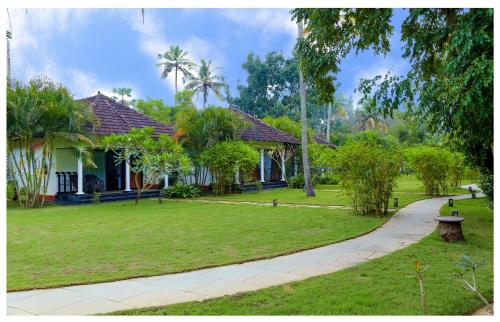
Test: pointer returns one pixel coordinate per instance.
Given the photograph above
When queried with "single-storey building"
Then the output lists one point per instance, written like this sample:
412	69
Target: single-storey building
72	181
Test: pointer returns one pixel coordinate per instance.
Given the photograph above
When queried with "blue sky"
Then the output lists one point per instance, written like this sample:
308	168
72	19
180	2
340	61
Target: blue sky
98	49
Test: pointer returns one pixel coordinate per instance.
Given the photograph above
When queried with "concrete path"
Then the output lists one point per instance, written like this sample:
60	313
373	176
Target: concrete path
406	227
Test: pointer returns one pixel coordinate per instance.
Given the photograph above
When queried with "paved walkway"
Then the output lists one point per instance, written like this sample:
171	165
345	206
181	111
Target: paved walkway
406	227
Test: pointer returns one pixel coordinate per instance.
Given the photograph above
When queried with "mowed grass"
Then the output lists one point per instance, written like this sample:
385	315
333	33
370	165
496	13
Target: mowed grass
382	286
63	245
409	189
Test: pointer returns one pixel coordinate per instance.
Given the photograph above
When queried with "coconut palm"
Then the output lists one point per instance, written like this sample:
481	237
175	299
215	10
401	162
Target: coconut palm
38	115
303	120
175	60
122	92
369	118
206	81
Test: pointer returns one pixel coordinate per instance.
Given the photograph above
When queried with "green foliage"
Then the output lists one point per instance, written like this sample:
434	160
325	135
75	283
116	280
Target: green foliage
271	86
322	51
225	160
96	197
368	171
285	124
123	92
182	191
155	109
327	178
450	81
205	82
296	182
198	130
147	155
486	183
457	169
175	60
11	190
467	265
432	165
39	114
321	157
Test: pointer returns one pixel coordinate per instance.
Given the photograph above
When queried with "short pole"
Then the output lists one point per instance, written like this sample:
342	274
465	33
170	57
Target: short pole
454	213
396	202
275	202
473	195
450	202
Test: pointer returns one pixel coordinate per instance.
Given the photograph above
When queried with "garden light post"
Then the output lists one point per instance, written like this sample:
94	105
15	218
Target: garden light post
396	202
450	202
473	194
454	213
80	174
275	202
127	175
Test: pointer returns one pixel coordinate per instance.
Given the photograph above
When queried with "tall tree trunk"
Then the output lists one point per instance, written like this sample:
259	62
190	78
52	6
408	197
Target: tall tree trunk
328	120
9	76
175	82
303	121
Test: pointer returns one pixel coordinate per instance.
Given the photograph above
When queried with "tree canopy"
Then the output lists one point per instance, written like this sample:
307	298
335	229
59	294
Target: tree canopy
450	80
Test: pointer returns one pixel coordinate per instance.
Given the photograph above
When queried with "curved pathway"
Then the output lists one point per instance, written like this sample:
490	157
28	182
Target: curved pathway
407	226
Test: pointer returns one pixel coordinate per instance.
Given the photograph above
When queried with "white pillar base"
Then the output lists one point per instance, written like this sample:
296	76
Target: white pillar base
262	165
165	185
80	175
127	176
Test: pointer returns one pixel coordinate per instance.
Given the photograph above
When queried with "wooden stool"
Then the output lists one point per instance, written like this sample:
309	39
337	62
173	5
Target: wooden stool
450	228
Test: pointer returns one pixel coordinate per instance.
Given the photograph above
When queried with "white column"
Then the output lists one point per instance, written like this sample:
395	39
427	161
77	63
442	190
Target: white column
262	165
127	175
165	186
80	174
237	176
283	167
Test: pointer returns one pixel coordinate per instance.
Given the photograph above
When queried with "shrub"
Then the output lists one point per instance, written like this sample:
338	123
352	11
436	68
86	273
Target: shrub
296	182
225	160
486	185
11	190
327	178
457	169
432	165
181	191
368	171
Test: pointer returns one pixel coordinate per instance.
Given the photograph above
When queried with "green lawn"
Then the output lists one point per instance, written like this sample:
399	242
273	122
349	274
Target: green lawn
409	189
379	287
63	245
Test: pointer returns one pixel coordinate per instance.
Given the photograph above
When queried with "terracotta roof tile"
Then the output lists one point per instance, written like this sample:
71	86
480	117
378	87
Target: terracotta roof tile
115	118
260	131
318	139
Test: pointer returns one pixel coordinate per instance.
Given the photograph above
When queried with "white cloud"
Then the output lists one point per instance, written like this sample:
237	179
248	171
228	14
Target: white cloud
266	20
154	41
32	55
383	69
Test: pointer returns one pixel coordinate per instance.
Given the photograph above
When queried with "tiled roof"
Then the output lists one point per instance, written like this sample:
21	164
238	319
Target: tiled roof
115	118
318	139
260	131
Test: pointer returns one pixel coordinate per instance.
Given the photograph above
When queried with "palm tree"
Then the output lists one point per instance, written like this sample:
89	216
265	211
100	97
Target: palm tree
175	60
205	82
303	121
369	118
123	91
38	115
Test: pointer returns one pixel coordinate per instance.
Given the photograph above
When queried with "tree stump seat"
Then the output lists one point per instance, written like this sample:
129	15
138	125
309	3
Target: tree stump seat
450	228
